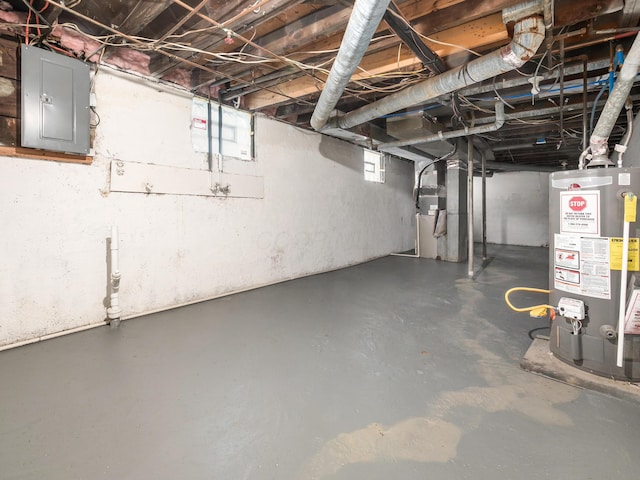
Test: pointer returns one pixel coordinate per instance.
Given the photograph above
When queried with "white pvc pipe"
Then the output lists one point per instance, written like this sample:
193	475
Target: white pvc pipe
470	206
114	311
623	293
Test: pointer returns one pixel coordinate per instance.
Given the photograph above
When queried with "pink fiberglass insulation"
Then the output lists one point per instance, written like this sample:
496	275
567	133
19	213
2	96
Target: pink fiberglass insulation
12	17
179	76
78	43
129	59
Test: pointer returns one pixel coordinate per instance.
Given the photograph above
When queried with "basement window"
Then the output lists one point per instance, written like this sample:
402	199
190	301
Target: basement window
374	166
234	126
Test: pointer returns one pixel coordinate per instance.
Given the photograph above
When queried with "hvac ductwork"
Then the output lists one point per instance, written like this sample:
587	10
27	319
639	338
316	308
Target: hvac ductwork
364	20
528	35
499	122
600	136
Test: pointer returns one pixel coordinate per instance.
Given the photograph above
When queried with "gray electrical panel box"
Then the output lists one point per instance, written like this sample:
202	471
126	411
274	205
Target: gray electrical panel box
55	101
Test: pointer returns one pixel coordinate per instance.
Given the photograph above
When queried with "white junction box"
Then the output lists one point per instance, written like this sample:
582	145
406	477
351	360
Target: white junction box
571	308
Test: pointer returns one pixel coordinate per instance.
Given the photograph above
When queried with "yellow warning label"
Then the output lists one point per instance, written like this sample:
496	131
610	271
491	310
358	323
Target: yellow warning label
630	202
615	254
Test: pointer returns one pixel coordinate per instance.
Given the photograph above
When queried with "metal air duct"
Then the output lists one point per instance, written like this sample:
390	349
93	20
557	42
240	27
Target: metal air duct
499	122
528	35
364	20
600	136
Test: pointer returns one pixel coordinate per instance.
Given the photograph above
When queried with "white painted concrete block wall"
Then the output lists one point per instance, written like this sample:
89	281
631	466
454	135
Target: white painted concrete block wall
517	208
318	214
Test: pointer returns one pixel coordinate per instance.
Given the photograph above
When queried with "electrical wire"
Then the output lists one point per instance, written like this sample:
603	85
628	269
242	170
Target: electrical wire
595	105
526	289
419	187
93	109
430	39
26	30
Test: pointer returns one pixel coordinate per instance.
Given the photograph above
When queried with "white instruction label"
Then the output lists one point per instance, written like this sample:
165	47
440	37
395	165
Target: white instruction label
632	318
581	265
580	212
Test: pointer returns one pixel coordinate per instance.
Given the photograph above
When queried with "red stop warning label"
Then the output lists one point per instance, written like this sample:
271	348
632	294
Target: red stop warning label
577	204
580	212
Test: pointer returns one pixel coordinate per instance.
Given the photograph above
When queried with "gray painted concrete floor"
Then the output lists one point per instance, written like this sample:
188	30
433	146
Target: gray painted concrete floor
398	368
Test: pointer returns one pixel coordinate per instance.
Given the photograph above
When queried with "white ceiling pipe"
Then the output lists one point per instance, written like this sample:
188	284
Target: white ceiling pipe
527	37
600	136
499	122
364	21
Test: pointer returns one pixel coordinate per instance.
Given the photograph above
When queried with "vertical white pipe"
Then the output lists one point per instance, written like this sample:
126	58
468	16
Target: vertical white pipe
484	209
470	203
114	311
623	293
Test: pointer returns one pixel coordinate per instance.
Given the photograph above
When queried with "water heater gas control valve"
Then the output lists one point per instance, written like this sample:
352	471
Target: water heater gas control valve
571	308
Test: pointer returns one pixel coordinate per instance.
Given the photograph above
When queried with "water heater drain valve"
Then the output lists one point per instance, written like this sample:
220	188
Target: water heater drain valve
571	308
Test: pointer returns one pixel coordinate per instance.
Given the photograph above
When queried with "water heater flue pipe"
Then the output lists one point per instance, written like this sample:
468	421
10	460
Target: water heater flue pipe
600	136
114	311
528	35
364	21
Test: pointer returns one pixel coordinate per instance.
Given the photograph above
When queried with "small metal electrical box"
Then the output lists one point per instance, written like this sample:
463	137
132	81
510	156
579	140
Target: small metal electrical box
55	101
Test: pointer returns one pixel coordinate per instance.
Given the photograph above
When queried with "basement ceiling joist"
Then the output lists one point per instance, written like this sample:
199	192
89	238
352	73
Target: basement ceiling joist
273	55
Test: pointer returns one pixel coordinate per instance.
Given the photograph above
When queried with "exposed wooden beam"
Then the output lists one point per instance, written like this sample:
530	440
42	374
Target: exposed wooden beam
213	40
144	12
8	59
183	20
9	128
288	35
33	153
475	34
8	97
455	15
569	12
402	28
297	34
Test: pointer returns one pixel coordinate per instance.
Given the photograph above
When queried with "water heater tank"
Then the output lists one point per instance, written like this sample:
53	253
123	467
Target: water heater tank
586	218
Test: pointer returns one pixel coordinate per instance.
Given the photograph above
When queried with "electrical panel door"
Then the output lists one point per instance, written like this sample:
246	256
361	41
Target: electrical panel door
55	101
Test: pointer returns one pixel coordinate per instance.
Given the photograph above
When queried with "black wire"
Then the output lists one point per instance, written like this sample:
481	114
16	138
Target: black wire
35	12
93	109
444	157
